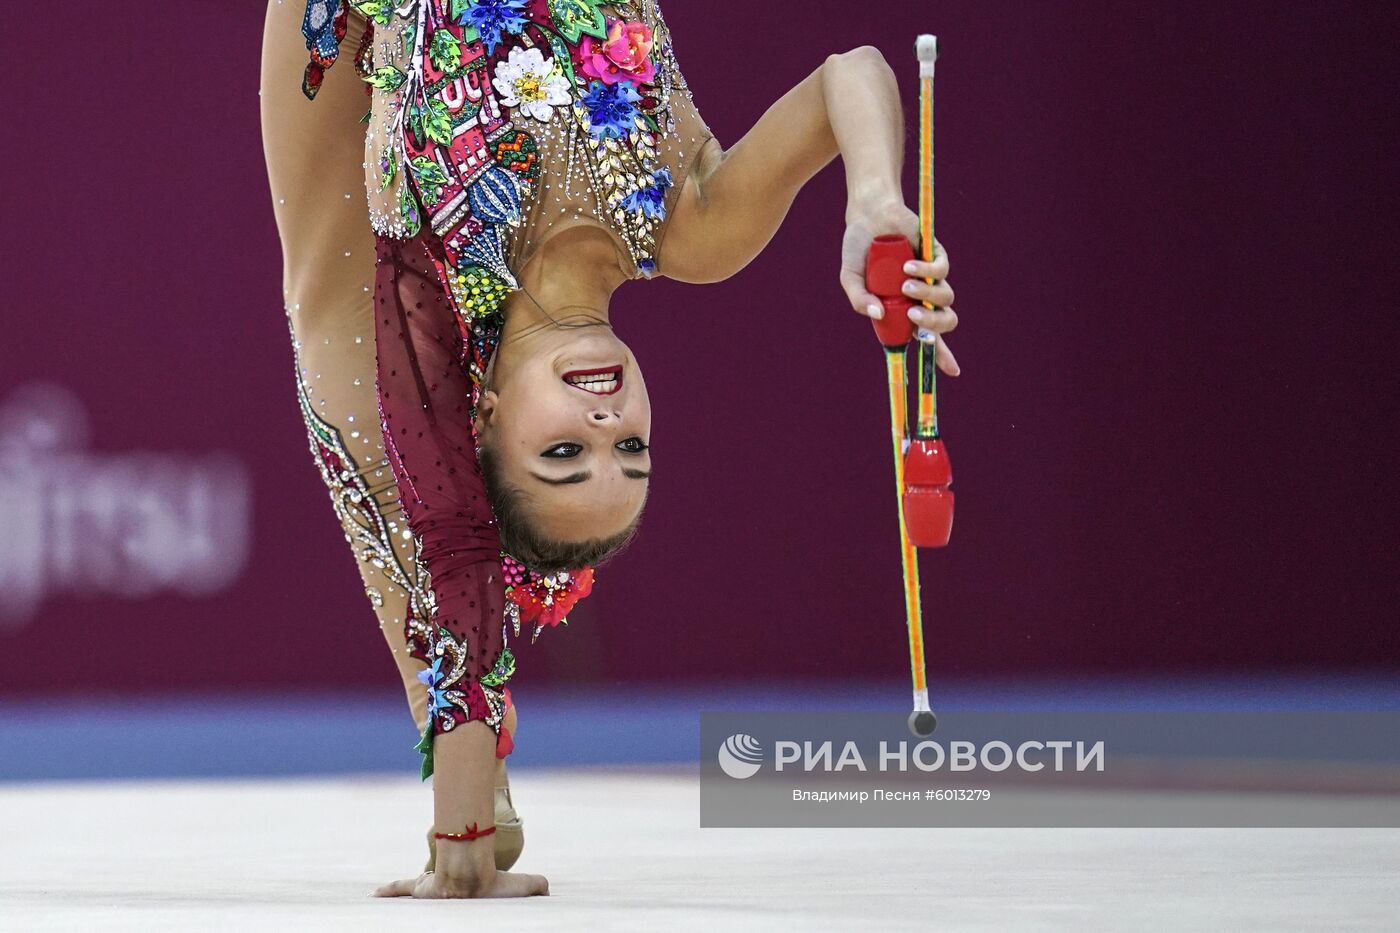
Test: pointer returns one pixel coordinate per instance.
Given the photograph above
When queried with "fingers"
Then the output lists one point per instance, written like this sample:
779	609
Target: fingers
939	293
941	318
944	360
503	884
862	301
519	884
927	283
936	269
403	888
938	320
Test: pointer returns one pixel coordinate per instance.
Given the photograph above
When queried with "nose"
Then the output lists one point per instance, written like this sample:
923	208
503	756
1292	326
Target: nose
600	416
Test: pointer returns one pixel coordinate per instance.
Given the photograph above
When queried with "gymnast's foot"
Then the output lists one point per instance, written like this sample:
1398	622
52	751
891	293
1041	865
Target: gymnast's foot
510	830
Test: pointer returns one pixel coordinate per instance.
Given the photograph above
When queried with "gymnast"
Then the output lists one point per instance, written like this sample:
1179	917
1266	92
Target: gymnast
481	429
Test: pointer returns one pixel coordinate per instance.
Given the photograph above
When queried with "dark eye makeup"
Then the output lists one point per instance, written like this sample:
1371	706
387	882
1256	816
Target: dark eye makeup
568	451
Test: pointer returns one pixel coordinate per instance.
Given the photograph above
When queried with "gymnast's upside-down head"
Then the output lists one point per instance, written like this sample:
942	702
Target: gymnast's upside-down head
563	424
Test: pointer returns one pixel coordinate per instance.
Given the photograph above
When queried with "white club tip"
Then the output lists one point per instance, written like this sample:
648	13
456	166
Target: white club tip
926	48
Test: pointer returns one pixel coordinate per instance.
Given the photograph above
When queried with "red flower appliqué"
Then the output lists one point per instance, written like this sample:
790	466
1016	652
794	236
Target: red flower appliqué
542	599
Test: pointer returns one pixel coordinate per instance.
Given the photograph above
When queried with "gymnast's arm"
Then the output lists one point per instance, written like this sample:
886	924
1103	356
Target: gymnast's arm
734	199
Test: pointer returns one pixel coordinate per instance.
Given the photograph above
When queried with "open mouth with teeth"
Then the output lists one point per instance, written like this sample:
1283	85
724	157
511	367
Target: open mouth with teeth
596	381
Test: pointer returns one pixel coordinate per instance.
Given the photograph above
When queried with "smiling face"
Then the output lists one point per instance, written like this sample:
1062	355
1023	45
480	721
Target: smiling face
567	420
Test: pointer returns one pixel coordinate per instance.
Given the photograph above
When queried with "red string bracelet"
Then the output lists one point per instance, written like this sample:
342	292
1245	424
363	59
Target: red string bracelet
467	834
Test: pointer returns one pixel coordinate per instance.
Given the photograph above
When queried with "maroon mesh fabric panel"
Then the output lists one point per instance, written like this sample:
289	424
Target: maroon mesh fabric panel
425	411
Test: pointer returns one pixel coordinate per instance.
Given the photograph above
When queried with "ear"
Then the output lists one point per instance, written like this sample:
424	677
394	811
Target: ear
485	411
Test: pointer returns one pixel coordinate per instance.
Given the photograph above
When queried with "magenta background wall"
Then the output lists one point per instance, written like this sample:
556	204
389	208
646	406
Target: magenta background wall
1173	234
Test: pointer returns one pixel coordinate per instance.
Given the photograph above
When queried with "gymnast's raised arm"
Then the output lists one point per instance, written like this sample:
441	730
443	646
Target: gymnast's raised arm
734	199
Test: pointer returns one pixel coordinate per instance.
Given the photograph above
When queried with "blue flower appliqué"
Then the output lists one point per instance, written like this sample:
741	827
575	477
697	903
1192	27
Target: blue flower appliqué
612	110
432	679
651	200
494	18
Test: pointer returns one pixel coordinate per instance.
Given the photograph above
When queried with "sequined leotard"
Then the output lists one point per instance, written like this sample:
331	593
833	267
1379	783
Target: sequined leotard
493	126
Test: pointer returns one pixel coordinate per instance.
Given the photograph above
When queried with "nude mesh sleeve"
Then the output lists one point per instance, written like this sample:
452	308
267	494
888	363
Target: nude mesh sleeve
573	191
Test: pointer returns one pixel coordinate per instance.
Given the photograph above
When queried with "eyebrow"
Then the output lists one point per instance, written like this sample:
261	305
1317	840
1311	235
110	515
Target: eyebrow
585	476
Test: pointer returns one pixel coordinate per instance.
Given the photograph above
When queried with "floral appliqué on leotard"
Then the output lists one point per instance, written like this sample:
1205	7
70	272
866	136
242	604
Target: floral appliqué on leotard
468	85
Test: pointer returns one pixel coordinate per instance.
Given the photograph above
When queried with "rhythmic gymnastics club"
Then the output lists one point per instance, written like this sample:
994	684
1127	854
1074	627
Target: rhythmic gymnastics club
922	471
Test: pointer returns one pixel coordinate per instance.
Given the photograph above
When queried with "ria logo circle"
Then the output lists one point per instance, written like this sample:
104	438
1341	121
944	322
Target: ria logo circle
740	756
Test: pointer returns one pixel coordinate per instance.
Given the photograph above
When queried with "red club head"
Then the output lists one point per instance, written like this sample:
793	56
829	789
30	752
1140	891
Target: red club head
884	277
928	502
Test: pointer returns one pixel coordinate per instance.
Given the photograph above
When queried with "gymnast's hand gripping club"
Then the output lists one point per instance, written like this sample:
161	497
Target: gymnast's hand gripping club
922	470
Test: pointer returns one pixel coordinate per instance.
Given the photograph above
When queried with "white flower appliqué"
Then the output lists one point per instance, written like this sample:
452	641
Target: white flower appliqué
527	81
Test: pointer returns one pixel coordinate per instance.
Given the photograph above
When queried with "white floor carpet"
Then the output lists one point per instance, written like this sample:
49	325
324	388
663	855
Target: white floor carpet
623	851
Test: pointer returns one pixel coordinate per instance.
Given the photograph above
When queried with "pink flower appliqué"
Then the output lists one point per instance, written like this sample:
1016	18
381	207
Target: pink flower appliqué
624	55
